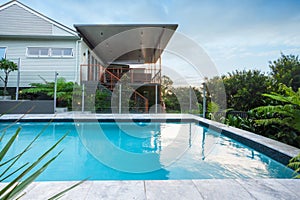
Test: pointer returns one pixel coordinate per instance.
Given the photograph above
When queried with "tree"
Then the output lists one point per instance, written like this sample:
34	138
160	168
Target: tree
7	66
167	93
215	92
166	86
286	70
177	99
244	89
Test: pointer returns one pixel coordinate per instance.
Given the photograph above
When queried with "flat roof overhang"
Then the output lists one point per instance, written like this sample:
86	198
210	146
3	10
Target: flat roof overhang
127	43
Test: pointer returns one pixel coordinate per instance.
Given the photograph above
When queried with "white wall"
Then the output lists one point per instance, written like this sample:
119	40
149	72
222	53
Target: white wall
32	68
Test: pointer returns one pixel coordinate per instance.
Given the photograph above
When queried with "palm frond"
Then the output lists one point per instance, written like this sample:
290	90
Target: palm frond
286	110
294	164
213	107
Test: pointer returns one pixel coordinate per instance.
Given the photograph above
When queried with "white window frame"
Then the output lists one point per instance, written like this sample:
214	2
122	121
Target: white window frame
50	55
5	51
44	56
62	52
39	54
72	52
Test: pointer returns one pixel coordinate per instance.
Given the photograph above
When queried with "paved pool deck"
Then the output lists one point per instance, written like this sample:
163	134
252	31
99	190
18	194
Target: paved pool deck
225	189
172	189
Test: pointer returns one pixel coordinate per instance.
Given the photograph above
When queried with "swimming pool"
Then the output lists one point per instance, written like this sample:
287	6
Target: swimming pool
173	151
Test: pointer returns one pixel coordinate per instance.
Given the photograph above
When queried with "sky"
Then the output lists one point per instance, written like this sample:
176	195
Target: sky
236	34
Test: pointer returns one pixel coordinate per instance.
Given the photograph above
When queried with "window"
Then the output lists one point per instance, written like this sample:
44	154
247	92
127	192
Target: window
56	52
37	52
49	52
68	52
62	52
2	52
44	52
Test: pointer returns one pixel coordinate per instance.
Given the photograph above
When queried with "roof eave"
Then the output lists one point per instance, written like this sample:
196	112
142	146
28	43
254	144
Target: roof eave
40	37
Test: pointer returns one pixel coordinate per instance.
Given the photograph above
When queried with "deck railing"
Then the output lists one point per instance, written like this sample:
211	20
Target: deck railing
97	72
110	76
135	93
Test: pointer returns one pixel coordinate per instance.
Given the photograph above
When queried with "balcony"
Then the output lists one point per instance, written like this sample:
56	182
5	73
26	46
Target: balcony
109	76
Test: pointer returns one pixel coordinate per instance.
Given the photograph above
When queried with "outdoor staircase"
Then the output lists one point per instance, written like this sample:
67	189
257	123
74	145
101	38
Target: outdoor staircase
112	77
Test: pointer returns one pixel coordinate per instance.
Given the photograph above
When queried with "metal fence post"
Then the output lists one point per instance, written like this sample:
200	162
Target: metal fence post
204	99
55	90
156	96
82	98
18	79
190	95
120	99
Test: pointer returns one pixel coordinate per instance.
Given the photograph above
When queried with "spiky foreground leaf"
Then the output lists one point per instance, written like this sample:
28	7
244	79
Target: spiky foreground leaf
8	145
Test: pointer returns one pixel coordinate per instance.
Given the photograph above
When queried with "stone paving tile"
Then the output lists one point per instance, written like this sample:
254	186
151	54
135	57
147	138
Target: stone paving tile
175	190
79	192
267	189
291	184
171	189
117	190
222	189
45	190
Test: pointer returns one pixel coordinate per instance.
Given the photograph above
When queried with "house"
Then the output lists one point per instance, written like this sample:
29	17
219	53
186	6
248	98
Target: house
97	54
42	44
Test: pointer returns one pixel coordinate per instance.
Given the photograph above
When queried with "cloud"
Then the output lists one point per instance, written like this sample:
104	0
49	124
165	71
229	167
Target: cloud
233	32
106	11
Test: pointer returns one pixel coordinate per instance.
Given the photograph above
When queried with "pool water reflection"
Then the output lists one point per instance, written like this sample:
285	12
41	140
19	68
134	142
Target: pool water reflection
198	152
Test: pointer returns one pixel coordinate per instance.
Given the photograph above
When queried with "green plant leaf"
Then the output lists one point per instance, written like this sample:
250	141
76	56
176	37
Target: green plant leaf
2	136
26	149
57	196
294	164
27	170
9	175
13	123
21	186
8	145
8	161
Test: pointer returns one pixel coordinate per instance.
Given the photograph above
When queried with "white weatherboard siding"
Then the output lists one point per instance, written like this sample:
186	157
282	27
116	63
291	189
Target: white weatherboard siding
14	17
17	19
32	68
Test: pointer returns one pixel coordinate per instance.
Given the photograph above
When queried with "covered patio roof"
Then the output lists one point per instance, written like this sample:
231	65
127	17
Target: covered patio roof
127	43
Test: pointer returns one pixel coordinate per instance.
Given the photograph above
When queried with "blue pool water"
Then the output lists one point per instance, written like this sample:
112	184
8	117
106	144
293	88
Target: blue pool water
174	150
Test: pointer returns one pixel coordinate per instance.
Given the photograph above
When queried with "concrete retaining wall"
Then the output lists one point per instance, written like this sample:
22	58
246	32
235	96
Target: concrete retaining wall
26	106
